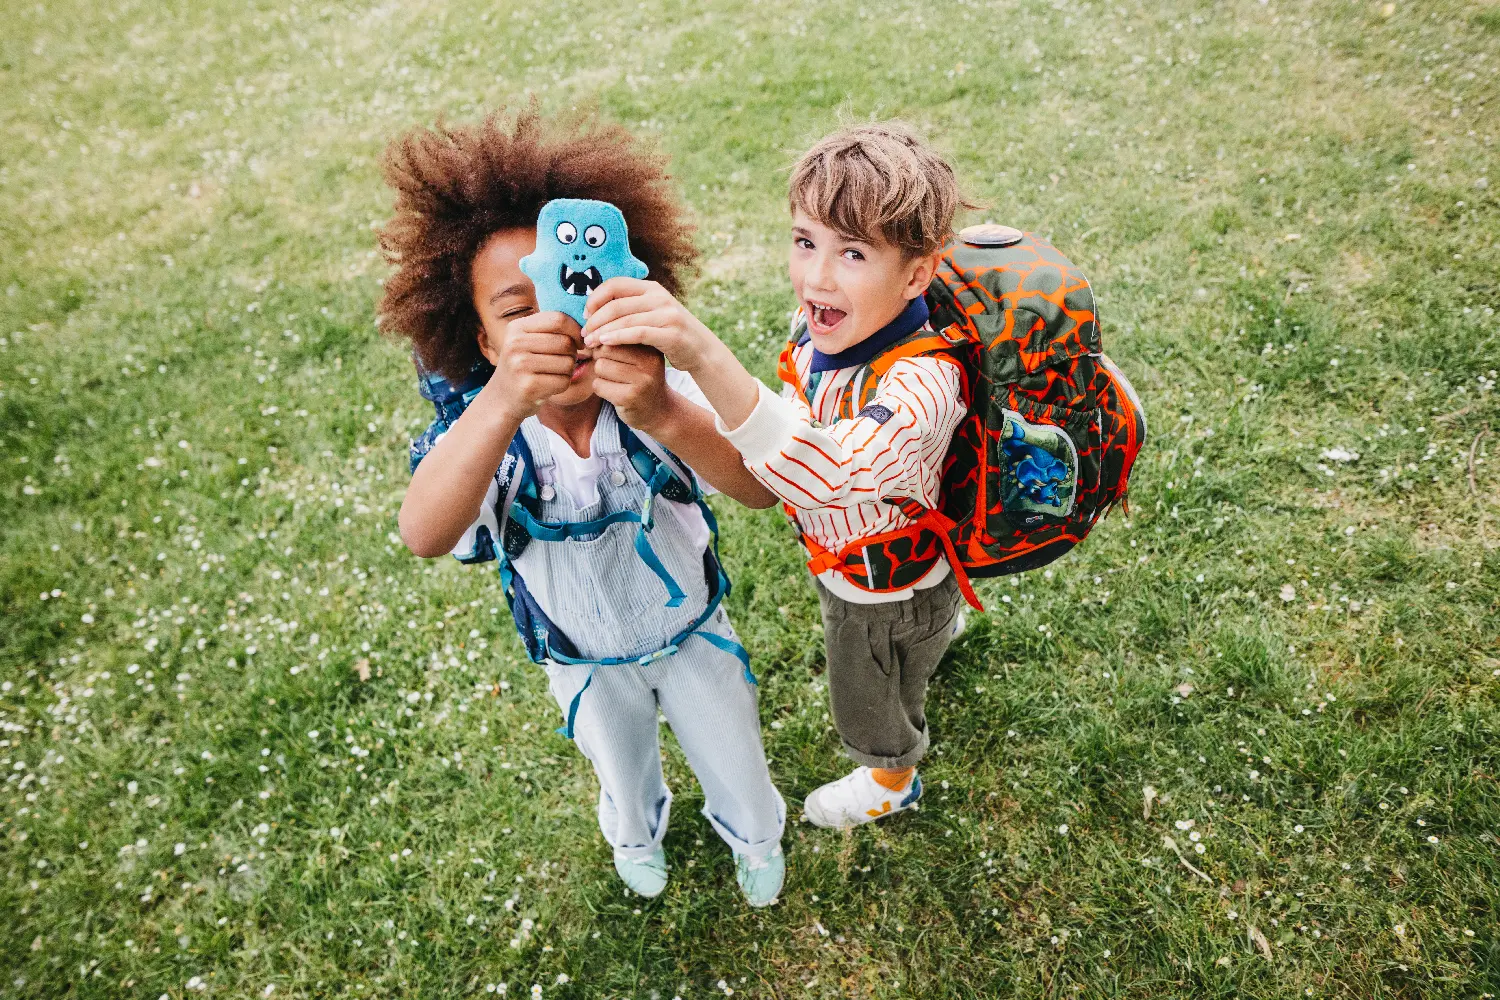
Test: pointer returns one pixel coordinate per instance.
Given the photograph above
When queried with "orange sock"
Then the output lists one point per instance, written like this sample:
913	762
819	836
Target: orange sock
896	779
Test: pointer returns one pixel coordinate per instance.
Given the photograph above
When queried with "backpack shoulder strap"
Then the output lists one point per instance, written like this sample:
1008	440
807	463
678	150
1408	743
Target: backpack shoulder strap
516	482
786	364
922	343
663	471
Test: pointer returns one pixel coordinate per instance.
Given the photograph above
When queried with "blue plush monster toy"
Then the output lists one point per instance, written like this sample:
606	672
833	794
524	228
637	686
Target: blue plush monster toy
579	245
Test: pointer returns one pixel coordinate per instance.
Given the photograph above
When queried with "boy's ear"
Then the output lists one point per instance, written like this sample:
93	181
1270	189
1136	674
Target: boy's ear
920	275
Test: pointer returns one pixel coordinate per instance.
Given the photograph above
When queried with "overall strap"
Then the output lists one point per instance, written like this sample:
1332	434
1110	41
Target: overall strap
659	476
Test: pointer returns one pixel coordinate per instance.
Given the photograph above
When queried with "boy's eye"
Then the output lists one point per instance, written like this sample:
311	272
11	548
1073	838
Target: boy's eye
853	254
802	242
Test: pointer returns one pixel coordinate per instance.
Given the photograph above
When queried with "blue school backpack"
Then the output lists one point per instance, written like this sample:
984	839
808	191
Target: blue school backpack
519	524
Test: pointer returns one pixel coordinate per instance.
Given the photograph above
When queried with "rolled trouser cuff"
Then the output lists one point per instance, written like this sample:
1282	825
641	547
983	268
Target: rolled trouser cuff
908	759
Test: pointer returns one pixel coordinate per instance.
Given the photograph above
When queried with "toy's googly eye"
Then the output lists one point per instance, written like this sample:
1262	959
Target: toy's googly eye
594	236
567	232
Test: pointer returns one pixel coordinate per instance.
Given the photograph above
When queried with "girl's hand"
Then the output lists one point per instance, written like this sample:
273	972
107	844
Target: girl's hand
631	311
534	361
634	379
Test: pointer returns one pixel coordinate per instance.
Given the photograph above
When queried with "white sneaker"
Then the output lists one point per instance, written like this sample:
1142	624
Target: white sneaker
857	798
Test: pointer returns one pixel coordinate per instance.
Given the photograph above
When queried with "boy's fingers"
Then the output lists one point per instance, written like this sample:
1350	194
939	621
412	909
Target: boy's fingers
659	318
614	311
651	336
613	289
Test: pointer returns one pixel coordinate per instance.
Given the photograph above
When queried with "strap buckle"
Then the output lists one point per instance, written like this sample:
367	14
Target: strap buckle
650	658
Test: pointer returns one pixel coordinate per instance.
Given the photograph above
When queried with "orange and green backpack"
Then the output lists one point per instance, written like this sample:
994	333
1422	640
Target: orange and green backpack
1052	429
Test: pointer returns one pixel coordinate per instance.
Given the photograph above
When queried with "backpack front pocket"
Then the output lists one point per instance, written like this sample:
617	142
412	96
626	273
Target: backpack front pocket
1037	465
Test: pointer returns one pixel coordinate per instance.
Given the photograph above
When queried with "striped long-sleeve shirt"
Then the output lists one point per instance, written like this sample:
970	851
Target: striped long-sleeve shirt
837	473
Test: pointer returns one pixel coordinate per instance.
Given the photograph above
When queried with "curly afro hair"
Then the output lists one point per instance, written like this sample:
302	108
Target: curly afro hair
456	186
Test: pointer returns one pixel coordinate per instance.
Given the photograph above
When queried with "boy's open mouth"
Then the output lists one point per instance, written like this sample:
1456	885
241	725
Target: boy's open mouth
580	282
824	318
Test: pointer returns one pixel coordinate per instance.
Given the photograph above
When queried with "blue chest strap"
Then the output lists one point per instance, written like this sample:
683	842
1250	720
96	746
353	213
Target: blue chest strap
540	636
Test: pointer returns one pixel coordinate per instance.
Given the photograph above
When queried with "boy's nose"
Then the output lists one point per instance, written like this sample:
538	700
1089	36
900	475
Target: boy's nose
820	274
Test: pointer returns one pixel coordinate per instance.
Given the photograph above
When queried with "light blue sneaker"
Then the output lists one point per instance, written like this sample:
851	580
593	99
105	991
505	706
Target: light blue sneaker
760	878
646	876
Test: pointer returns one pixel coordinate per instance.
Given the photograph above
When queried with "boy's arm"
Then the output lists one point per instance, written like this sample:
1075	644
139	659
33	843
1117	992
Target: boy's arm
634	380
630	311
893	448
535	361
878	454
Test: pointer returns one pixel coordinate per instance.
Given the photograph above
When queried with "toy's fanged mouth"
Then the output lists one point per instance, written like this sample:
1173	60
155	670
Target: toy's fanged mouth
580	282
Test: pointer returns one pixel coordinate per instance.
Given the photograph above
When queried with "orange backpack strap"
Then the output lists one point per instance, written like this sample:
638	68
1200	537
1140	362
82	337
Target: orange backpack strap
786	364
942	526
921	344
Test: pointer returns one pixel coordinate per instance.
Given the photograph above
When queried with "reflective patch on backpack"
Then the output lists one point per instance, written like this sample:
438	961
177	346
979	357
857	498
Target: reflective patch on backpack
1039	477
876	412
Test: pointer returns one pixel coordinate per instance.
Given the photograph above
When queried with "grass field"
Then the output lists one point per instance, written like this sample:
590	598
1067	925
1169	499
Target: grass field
1243	743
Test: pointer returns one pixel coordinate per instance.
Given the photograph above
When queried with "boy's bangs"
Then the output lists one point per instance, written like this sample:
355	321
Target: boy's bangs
834	210
854	205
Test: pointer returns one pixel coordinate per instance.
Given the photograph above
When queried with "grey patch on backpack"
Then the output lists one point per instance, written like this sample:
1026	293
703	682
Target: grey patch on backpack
876	412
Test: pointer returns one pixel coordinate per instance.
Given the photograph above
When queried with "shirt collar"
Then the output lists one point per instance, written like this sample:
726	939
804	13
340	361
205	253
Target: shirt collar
911	319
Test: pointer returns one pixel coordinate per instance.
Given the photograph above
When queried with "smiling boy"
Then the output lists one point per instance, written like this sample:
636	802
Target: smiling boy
852	457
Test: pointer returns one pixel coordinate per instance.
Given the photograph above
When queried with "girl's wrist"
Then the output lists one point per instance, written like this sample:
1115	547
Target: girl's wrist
497	408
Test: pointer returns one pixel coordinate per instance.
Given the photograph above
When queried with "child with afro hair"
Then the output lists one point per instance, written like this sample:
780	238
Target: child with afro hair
467	203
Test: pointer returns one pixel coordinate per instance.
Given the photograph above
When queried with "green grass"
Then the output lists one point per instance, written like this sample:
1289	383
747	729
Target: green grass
1289	212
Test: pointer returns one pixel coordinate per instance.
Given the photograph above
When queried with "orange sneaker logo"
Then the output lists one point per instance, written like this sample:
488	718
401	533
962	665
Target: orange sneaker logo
885	807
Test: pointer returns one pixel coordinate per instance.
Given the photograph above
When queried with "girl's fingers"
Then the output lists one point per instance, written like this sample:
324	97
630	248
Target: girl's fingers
545	364
541	343
635	355
612	371
548	322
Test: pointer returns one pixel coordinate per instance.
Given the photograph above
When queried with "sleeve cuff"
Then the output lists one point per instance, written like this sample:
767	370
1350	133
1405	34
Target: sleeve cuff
766	431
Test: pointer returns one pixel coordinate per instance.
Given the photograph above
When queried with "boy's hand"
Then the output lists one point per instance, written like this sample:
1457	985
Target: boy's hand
631	311
535	361
634	379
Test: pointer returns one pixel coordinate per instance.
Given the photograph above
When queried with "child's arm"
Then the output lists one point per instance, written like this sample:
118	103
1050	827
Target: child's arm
534	362
889	451
628	311
634	380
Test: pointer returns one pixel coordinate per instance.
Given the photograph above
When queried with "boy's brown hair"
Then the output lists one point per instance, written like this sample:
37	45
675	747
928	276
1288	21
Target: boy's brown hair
878	179
457	185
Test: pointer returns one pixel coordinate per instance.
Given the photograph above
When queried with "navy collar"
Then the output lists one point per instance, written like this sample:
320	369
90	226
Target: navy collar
911	319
